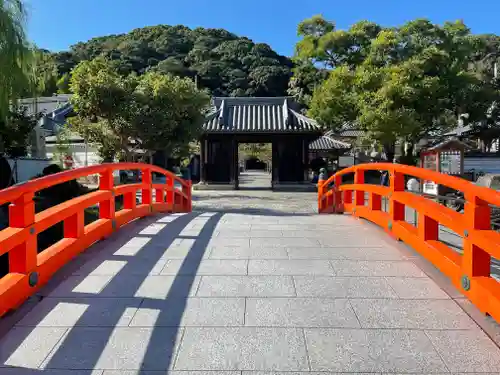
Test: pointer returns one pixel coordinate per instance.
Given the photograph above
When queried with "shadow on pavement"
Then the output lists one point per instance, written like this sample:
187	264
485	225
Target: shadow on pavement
197	198
95	314
257	211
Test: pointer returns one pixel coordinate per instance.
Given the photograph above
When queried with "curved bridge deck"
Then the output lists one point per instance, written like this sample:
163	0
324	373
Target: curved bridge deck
249	281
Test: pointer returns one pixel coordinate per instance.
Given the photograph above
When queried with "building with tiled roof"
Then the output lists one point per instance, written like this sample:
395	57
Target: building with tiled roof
257	115
53	108
275	120
327	143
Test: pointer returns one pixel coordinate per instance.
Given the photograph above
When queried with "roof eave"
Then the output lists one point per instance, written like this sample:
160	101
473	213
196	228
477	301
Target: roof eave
268	132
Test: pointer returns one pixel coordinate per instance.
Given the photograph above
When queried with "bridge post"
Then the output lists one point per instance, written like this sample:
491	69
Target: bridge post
107	207
337	195
23	258
170	193
475	261
160	194
359	195
347	197
396	209
188	192
147	181
326	204
321	192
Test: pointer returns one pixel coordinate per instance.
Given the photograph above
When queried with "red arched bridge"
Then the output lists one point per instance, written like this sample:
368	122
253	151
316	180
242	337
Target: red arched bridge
249	280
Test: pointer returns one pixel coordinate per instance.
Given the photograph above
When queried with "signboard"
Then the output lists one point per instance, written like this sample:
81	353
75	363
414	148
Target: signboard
68	161
346	161
450	163
430	162
430	187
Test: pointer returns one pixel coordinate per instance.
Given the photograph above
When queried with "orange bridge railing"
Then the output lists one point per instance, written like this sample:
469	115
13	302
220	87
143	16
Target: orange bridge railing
469	270
28	269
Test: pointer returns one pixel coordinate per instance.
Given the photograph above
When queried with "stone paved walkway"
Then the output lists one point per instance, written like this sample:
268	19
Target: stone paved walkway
250	281
255	179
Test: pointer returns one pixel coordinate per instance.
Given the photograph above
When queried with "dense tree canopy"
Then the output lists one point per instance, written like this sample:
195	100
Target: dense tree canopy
166	112
44	73
154	111
100	101
397	83
14	54
15	131
15	80
218	60
306	77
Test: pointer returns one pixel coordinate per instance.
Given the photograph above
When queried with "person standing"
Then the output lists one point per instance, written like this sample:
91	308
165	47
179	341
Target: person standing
384	178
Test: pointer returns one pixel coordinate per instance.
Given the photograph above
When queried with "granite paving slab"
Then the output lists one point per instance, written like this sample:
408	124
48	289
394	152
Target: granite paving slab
249	283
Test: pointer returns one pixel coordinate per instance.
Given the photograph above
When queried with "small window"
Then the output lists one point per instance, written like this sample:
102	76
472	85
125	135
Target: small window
495	183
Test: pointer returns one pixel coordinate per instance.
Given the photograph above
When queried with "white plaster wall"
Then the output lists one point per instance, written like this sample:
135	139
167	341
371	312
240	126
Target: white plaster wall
25	169
83	156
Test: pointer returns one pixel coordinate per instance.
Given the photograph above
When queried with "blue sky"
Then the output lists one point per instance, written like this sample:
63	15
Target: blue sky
57	24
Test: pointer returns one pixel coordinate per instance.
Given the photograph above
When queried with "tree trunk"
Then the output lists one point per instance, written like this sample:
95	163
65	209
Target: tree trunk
407	153
390	151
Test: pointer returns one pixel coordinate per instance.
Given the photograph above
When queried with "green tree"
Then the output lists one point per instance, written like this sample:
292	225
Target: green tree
155	111
44	73
223	63
261	151
166	113
14	54
322	43
101	99
399	83
63	84
487	67
15	131
305	78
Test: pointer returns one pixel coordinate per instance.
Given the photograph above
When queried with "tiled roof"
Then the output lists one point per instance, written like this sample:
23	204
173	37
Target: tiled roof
460	130
53	108
72	138
347	130
351	133
45	105
447	143
328	143
258	115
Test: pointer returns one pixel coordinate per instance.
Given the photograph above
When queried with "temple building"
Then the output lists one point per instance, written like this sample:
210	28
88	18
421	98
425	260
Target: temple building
275	120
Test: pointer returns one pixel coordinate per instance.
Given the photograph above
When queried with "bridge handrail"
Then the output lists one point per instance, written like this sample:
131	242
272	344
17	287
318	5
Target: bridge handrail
12	193
453	182
469	271
28	269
